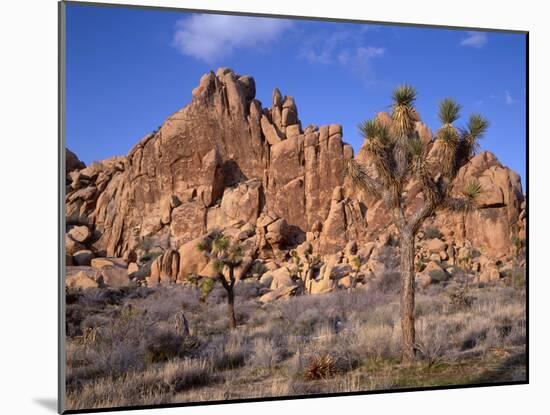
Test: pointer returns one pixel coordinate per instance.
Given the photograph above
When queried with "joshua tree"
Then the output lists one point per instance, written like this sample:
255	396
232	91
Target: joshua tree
399	156
356	263
225	254
471	191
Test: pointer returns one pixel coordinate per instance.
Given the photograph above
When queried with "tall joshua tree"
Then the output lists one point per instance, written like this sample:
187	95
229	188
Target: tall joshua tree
225	254
399	157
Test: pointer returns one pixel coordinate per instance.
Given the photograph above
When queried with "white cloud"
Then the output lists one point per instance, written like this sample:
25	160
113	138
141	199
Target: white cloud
369	52
211	37
346	48
508	98
475	40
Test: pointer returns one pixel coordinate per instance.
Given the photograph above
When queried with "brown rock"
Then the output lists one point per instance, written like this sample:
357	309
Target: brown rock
80	234
269	131
71	246
99	263
80	281
83	257
87	270
115	276
132	267
281	278
489	274
281	292
72	162
436	245
191	259
242	203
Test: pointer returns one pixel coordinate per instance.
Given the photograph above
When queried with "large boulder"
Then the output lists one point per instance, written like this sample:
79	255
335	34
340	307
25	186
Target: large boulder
99	263
83	257
80	234
242	202
280	278
115	276
80	281
191	259
435	245
165	268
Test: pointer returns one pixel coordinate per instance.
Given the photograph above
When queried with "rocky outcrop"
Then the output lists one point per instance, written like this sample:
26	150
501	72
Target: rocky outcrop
491	227
222	158
72	162
225	162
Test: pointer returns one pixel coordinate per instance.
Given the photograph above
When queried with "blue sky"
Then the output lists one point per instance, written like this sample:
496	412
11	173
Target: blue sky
128	69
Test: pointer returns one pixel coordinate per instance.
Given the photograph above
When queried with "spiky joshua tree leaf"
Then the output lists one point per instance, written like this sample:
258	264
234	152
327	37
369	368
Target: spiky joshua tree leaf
472	189
404	115
449	111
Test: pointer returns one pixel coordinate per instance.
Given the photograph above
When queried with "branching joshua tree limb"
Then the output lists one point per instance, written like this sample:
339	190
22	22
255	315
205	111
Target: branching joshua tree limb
399	156
225	254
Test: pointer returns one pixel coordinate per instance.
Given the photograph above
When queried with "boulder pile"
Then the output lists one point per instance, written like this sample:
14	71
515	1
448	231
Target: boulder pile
226	163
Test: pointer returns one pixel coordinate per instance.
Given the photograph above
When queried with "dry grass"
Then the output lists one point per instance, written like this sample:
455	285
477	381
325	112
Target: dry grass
123	350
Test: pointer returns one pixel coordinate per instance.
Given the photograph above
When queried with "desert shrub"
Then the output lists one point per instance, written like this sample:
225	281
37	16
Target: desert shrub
514	277
460	300
143	272
163	346
432	232
388	256
227	351
185	374
258	269
205	287
265	354
420	265
389	283
320	366
246	290
438	276
430	342
149	257
146	243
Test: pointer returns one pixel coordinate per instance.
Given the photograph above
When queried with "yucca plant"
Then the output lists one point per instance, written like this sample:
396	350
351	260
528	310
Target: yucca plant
449	112
470	193
320	366
471	134
399	156
224	254
404	118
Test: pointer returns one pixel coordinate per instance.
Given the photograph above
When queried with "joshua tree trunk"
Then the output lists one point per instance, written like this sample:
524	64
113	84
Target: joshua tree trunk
407	296
231	299
463	226
230	296
231	308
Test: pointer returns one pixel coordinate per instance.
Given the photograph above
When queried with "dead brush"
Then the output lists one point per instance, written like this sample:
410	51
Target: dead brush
461	300
321	367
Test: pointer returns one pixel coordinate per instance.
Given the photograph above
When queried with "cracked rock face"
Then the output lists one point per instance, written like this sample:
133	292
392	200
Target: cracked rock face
225	161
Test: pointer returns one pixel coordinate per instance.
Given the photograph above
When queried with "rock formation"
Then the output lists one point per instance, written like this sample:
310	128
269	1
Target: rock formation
225	162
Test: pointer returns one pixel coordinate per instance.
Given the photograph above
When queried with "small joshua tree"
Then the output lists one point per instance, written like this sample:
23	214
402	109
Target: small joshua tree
399	157
298	264
471	192
225	254
356	263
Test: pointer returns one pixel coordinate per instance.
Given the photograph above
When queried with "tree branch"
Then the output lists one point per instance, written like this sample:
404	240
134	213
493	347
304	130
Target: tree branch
223	281
420	216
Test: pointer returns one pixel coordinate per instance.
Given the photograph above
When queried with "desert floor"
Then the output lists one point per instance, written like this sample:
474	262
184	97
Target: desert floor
125	346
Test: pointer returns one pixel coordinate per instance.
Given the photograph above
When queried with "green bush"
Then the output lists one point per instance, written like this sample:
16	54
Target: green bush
438	276
431	233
